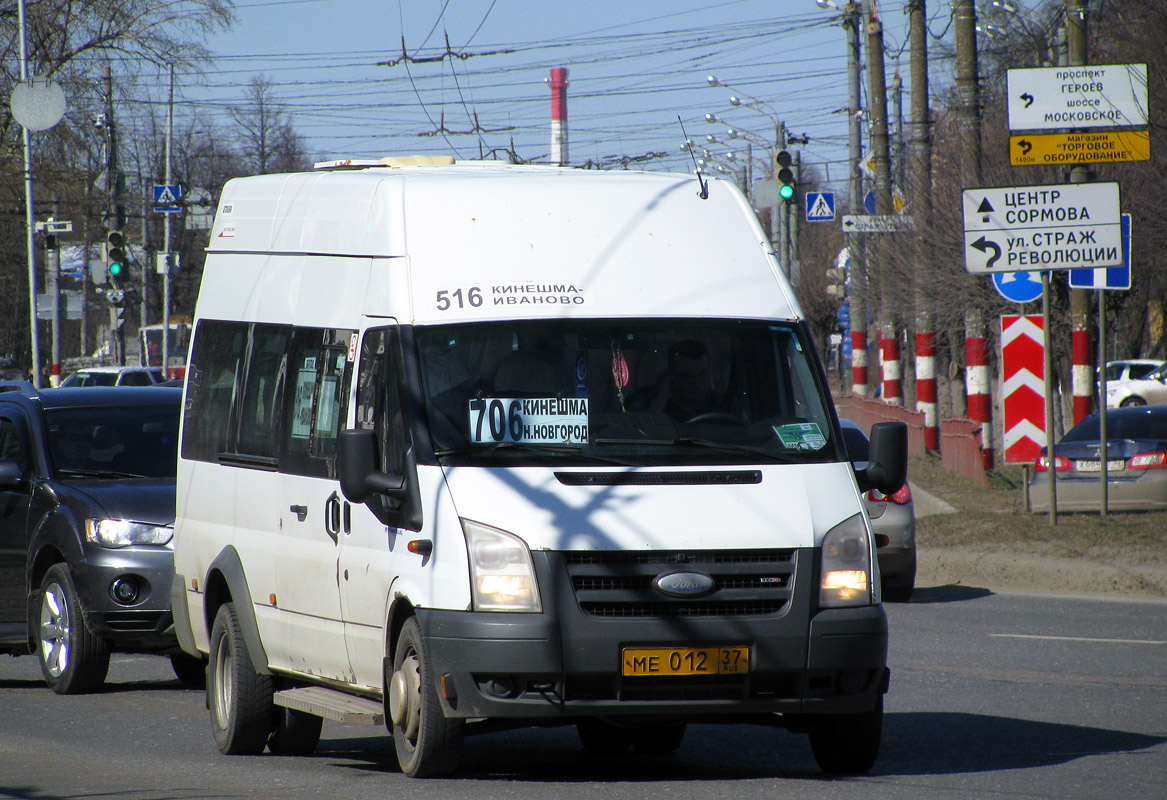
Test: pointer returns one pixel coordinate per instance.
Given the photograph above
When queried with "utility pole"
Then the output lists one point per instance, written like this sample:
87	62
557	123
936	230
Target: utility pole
168	260
53	285
114	213
1082	377
920	144
978	386
855	244
144	287
792	210
889	346
780	221
29	212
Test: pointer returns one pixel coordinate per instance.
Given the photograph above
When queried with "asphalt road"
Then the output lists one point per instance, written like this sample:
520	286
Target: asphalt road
992	696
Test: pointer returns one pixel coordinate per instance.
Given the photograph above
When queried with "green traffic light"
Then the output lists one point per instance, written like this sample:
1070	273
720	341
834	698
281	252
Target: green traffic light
115	269
786	191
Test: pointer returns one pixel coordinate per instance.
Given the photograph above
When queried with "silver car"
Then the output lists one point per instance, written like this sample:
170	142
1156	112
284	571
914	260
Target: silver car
893	520
1136	464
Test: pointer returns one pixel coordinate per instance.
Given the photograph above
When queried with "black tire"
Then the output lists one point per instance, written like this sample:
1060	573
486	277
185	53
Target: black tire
239	698
1131	402
428	744
900	590
847	744
190	670
296	733
657	740
73	660
603	738
898	593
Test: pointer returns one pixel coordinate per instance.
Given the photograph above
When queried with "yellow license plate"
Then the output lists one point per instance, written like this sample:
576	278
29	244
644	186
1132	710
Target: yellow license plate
645	661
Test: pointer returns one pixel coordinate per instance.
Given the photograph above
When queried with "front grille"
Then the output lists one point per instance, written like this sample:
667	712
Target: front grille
619	584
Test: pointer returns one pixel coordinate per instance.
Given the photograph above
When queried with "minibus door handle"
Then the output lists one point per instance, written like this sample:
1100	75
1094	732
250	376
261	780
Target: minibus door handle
332	517
301	512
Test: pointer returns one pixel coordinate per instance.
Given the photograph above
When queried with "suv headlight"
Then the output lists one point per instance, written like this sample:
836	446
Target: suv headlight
846	573
123	533
502	577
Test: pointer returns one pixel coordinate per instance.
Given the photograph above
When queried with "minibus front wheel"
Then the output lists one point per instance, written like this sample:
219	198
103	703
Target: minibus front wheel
847	744
428	744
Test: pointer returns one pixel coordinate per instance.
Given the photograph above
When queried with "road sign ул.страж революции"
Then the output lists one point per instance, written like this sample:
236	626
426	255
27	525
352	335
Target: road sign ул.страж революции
1063	226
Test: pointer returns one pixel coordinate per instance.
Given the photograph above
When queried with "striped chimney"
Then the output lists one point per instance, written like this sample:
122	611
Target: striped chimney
558	83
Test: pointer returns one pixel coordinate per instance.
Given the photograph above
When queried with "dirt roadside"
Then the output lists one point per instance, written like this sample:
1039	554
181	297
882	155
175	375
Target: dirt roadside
983	537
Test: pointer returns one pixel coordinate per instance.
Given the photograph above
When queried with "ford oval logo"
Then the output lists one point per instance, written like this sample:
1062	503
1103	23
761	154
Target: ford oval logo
683	584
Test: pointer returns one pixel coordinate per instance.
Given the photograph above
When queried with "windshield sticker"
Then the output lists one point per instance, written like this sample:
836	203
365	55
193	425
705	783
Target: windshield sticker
801	436
539	420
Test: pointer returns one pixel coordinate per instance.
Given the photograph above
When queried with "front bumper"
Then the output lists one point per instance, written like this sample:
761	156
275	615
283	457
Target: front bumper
1145	492
143	624
567	663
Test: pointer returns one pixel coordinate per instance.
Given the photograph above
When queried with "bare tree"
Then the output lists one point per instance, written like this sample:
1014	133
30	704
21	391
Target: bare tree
268	142
63	37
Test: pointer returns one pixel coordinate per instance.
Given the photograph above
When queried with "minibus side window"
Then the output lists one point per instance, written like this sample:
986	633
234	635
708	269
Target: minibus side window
319	377
260	411
211	387
379	397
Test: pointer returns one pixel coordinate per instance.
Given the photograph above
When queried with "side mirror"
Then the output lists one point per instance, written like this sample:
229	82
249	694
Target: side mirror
359	476
11	473
395	499
887	460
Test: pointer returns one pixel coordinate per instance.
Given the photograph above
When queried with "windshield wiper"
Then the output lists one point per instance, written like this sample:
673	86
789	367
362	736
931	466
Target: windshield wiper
525	447
709	444
737	448
97	473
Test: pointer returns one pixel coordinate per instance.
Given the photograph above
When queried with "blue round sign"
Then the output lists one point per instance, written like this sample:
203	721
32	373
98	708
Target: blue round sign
1018	287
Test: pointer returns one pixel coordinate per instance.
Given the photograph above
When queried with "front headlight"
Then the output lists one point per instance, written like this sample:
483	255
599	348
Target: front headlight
846	574
123	533
502	577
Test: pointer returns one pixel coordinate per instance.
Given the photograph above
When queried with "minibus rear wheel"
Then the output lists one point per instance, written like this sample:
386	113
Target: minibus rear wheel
240	699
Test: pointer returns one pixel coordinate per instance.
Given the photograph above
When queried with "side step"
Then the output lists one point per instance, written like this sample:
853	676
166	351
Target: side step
331	704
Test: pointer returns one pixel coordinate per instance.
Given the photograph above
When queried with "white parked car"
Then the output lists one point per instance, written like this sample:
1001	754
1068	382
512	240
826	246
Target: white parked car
1131	369
1150	389
113	376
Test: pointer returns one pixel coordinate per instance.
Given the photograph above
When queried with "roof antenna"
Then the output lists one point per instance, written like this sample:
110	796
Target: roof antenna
703	193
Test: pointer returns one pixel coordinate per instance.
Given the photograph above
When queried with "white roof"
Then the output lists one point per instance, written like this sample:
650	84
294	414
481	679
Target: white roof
616	243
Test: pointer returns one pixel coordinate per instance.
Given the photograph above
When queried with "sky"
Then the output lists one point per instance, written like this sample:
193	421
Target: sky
353	89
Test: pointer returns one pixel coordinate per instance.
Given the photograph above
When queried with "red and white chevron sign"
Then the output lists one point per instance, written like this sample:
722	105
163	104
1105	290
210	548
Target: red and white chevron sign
1023	395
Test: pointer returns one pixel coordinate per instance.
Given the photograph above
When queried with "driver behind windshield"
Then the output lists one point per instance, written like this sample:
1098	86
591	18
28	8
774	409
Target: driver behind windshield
72	445
687	391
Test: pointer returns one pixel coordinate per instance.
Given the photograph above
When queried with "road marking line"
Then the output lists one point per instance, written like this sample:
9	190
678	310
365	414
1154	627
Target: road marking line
1074	639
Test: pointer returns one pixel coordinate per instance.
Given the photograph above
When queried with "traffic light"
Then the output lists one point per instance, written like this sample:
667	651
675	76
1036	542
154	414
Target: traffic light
115	255
786	175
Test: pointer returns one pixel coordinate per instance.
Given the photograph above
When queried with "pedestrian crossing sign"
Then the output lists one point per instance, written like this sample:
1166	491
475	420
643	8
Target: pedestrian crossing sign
167	197
820	206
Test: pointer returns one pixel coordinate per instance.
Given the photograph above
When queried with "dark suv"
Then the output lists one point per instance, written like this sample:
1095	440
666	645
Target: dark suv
86	518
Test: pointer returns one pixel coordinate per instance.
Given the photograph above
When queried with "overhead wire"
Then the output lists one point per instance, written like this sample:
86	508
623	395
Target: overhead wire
344	89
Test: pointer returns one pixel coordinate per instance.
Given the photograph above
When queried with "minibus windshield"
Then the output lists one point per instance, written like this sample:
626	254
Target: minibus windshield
638	392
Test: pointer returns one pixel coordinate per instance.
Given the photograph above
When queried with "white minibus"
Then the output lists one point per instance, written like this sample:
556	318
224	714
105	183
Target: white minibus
468	445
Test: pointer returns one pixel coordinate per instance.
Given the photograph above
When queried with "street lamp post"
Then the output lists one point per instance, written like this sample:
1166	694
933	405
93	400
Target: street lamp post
781	220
